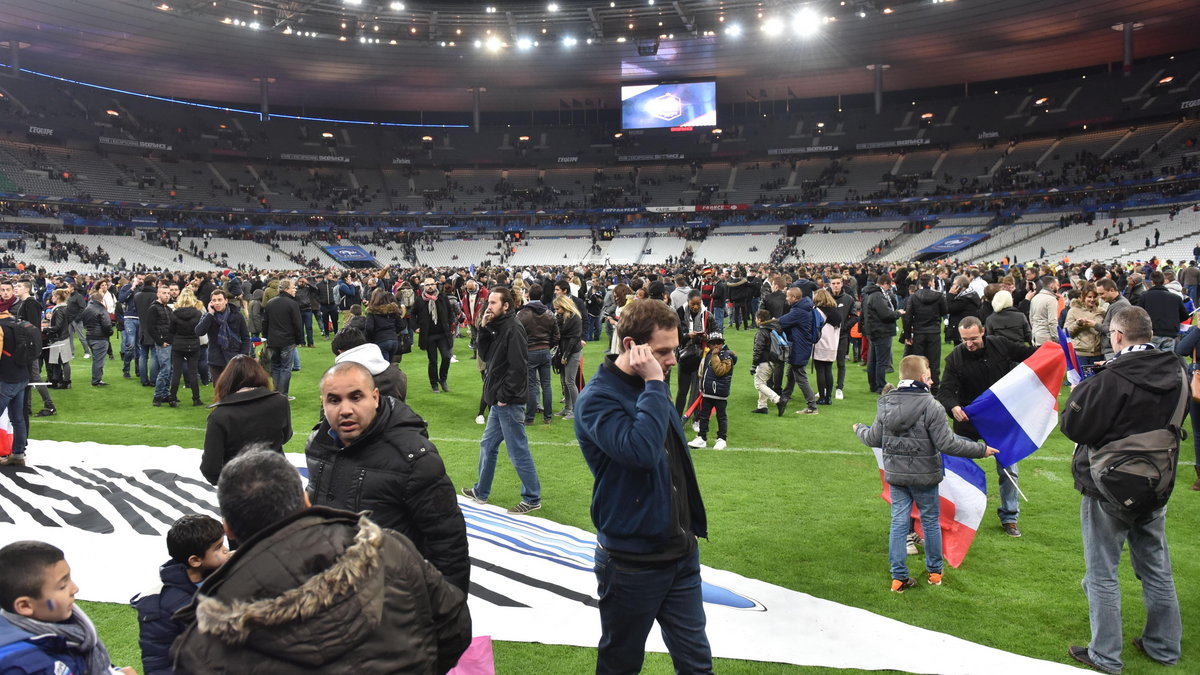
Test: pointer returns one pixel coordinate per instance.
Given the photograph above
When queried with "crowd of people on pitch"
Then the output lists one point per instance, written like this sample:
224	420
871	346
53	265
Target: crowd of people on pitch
243	334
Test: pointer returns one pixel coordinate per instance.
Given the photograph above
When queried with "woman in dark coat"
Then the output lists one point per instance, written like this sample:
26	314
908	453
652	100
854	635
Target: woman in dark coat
58	336
246	412
185	347
385	322
568	351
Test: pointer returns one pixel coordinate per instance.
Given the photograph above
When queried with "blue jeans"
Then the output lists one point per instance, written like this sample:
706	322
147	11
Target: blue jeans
593	328
926	499
1105	531
1010	499
388	349
306	317
130	351
879	359
539	379
719	315
160	367
1190	291
12	399
632	597
507	423
99	350
281	367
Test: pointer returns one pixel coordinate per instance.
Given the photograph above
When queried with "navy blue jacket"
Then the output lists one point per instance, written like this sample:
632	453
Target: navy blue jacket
713	385
798	322
622	431
241	344
22	653
156	629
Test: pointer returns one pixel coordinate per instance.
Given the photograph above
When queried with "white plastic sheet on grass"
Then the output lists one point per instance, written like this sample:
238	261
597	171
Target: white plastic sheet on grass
108	507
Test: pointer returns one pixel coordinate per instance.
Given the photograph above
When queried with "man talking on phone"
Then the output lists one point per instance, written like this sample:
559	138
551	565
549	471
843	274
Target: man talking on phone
646	504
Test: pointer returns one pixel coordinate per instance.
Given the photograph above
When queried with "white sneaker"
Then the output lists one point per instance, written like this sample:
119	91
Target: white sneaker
698	442
87	356
838	395
479	419
696	427
719	445
453	359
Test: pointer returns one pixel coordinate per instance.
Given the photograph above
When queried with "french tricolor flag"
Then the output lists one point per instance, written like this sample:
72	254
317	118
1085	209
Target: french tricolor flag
6	433
962	500
1017	413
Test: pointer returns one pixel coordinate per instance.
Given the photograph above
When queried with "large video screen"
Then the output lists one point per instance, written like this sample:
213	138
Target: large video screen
657	106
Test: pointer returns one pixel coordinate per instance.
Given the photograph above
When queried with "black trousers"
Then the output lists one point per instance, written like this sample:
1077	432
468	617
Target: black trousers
824	379
186	364
929	345
689	382
435	347
707	407
328	316
842	350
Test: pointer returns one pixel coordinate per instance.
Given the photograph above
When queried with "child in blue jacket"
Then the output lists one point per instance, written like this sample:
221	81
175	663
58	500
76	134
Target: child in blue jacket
716	373
197	547
42	630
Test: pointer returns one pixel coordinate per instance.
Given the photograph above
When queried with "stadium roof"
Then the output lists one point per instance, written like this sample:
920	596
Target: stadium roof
390	55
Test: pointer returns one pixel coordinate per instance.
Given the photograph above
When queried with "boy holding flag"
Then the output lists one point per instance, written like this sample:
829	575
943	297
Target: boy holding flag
911	428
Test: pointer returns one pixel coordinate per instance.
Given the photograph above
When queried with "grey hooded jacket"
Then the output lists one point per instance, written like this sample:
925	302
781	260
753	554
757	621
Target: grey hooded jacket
911	427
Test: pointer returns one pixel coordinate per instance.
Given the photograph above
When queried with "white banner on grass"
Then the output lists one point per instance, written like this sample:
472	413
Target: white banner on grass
108	507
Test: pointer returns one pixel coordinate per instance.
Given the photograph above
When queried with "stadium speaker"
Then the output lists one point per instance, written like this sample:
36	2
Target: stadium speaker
647	47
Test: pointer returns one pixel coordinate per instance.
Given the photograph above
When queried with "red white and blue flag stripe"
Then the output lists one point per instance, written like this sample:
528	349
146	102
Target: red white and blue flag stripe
1017	414
1075	374
962	500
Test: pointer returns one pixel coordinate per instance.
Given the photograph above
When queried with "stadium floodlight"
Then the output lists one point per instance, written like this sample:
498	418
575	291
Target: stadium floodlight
734	30
524	43
397	6
569	41
552	7
352	2
494	44
772	26
806	23
254	25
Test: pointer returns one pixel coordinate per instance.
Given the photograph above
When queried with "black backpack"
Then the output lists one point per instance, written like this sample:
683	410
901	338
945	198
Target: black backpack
1137	473
22	341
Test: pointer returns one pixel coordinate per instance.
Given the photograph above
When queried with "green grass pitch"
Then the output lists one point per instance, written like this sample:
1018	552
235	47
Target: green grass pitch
794	501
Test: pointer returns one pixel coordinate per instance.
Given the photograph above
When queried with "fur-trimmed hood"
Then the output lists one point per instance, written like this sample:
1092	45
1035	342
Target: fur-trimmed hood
299	616
389	308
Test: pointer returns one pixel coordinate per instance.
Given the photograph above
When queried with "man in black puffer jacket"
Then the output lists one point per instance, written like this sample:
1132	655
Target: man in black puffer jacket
373	453
98	329
971	368
142	299
923	326
879	317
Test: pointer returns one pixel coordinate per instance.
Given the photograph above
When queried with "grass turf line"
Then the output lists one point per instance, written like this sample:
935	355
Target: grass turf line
812	522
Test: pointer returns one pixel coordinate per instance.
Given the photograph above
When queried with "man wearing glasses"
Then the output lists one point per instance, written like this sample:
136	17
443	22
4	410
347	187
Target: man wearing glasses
971	368
434	320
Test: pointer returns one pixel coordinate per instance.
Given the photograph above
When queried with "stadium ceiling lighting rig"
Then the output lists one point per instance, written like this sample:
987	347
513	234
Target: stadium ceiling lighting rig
559	23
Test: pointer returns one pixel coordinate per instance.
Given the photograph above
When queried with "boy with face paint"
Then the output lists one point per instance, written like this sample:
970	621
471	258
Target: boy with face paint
37	599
